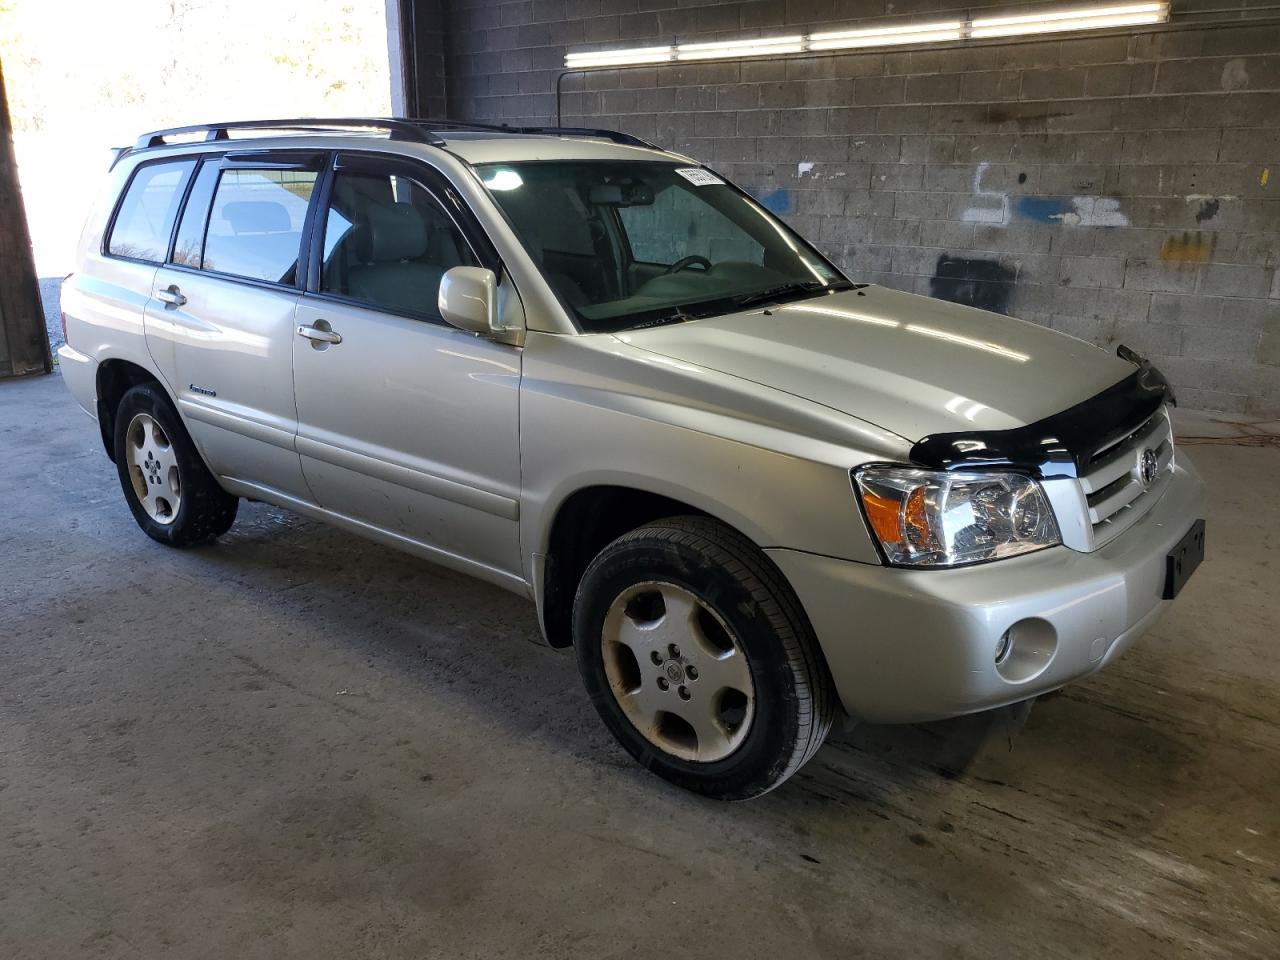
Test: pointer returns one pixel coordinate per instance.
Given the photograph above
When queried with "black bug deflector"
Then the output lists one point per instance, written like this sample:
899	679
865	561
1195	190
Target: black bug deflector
1059	445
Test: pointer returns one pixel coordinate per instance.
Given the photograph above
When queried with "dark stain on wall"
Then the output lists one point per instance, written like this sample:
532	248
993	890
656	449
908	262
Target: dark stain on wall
986	284
1208	210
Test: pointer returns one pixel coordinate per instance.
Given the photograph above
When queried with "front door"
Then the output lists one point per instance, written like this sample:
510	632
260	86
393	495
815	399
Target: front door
404	422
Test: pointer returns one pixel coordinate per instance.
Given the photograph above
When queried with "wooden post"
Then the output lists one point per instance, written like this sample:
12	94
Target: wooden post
24	341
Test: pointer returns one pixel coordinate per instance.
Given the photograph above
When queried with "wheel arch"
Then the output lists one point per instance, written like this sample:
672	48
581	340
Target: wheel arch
584	522
116	377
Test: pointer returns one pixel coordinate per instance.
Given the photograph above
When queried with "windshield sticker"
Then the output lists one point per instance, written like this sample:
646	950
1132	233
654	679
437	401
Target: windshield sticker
699	178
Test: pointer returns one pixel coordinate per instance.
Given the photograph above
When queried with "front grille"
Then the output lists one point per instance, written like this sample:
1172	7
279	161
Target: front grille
1113	486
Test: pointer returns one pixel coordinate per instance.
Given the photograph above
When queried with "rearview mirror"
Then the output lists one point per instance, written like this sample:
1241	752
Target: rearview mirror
469	299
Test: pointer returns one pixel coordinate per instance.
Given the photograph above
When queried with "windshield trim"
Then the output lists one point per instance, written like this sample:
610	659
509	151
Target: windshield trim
579	322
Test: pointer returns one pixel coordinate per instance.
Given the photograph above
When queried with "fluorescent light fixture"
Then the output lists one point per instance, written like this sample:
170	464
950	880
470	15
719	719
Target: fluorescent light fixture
759	47
1080	18
1097	17
886	36
617	58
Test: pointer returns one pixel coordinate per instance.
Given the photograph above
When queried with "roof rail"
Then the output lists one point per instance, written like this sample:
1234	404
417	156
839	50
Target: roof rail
614	135
396	129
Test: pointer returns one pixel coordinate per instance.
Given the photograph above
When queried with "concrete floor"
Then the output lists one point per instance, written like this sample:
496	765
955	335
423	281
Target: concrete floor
294	743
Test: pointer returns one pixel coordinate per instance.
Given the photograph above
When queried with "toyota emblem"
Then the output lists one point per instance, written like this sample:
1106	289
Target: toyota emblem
1148	466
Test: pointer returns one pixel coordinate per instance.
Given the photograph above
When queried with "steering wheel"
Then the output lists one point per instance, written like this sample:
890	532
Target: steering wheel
685	262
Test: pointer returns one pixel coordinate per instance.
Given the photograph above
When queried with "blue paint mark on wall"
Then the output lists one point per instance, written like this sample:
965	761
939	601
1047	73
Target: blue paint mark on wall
779	201
1042	209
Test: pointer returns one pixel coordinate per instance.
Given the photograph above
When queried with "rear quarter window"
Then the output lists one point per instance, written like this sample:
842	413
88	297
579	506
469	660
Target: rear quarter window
146	214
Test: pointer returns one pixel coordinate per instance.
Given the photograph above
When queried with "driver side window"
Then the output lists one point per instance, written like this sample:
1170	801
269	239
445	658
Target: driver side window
678	225
388	242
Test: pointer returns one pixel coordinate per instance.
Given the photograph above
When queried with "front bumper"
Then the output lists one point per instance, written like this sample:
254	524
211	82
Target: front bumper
911	645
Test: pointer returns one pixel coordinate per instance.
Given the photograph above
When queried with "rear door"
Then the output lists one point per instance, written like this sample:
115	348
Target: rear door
405	422
224	307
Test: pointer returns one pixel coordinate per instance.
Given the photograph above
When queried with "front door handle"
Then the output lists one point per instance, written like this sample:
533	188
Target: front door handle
171	295
319	334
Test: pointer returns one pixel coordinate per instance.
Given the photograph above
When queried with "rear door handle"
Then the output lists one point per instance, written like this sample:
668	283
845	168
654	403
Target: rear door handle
171	295
318	334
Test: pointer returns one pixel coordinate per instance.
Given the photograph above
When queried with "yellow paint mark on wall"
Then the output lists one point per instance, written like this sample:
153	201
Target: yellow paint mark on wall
1188	248
1266	175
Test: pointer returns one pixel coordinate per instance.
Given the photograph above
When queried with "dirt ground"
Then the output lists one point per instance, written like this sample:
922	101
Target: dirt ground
294	743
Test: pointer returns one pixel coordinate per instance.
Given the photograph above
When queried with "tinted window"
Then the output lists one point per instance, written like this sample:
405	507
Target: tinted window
189	245
255	225
145	218
387	242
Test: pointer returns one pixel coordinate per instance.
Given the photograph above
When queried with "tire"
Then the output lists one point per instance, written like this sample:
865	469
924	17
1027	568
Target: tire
697	578
183	504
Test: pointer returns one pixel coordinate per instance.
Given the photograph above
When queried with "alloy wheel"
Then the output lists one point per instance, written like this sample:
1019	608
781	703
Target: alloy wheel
677	671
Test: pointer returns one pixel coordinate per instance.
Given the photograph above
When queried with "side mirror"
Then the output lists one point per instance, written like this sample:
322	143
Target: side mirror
469	299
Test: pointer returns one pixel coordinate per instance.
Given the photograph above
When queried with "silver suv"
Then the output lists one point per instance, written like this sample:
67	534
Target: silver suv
750	492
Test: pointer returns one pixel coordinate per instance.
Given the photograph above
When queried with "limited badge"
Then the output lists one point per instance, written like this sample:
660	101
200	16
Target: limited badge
699	177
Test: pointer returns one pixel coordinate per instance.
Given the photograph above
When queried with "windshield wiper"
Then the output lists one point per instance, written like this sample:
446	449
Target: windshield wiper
775	294
676	317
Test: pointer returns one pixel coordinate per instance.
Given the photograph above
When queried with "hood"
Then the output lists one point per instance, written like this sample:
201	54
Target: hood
909	364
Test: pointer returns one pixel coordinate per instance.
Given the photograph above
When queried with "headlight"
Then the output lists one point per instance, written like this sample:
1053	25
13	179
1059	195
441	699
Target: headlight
929	518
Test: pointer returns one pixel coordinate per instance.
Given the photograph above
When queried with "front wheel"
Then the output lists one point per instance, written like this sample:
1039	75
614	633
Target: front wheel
172	494
698	658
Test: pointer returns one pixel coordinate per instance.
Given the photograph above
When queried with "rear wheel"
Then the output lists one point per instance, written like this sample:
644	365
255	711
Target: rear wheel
172	494
699	659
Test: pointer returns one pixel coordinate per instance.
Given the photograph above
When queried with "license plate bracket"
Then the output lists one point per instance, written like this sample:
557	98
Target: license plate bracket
1183	560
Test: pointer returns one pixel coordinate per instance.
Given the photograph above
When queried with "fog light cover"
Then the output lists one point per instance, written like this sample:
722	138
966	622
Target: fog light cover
928	518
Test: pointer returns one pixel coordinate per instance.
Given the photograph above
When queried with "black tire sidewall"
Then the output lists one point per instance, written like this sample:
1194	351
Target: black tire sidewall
201	498
760	761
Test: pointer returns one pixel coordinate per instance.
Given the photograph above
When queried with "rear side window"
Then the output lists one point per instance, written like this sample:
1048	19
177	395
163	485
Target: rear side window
255	224
145	218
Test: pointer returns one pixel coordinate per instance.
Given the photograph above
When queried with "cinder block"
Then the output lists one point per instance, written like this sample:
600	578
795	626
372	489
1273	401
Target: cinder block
852	120
1258	146
1154	276
1091	272
897	176
804	123
1150	113
988	86
1174	308
952	234
1090	50
935	89
1269	348
902	119
1062	83
1220	343
930	149
1219	74
1191	398
876	148
1123	304
872	91
909	205
1235	280
696	98
1230	110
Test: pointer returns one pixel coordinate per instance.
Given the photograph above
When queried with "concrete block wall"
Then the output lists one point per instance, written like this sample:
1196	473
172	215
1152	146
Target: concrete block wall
1121	188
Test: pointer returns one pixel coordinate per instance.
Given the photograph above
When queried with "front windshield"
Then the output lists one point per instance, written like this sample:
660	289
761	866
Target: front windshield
630	243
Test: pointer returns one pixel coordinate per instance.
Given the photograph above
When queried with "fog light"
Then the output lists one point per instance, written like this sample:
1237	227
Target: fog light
1002	648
